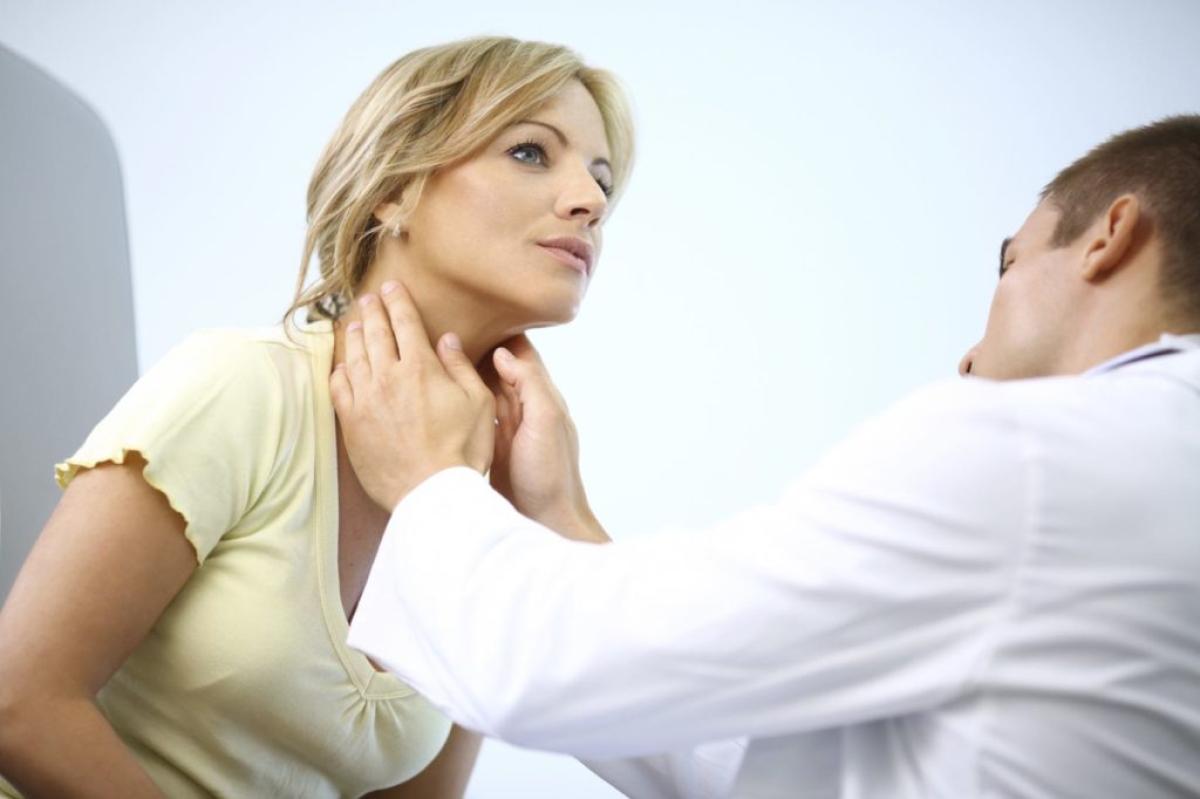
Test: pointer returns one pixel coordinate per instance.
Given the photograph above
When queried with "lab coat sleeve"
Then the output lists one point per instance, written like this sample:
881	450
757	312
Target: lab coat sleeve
874	586
707	771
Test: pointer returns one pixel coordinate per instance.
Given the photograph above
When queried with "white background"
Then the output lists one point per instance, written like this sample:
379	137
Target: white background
812	229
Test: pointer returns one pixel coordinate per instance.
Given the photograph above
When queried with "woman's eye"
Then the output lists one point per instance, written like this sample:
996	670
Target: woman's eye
605	187
529	153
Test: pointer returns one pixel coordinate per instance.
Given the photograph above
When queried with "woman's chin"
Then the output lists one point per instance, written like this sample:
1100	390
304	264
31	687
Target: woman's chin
554	309
547	320
567	312
553	306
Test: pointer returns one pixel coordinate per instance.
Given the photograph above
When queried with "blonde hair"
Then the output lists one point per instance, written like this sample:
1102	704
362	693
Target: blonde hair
431	108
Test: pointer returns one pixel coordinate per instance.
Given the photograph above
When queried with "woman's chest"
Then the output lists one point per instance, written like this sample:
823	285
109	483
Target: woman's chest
360	527
250	660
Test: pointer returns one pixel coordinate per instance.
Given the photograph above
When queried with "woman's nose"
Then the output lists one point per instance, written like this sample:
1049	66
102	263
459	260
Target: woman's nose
582	197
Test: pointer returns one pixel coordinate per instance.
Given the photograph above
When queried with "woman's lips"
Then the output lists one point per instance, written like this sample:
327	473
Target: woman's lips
569	258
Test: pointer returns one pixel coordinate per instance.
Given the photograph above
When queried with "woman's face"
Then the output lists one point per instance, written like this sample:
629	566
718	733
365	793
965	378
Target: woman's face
514	230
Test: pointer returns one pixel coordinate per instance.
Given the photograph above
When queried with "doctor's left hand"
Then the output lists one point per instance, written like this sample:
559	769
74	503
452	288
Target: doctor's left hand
536	465
407	411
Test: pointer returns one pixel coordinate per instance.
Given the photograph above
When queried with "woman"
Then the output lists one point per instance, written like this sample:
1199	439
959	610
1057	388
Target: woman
179	627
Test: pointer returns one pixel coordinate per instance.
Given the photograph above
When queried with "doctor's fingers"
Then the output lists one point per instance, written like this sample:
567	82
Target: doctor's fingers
527	375
460	369
408	329
523	349
508	408
340	390
356	364
378	342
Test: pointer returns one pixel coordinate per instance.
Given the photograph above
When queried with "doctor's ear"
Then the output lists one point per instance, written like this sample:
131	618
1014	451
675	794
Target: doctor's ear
389	216
1112	238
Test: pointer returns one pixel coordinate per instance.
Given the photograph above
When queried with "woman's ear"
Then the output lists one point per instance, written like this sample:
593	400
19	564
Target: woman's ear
388	214
1112	238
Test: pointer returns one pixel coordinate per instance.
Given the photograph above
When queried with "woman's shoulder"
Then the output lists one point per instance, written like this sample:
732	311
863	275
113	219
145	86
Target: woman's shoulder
214	419
256	359
257	376
245	383
237	345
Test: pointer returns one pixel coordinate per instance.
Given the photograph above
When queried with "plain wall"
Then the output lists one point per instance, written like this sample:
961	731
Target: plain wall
811	232
67	342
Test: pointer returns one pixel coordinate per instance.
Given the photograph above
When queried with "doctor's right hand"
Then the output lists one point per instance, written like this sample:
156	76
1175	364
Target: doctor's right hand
396	394
536	460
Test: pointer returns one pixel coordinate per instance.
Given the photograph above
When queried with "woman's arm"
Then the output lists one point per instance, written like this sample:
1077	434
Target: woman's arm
446	777
109	560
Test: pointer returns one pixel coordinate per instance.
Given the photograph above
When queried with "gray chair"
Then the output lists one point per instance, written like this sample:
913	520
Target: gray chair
67	346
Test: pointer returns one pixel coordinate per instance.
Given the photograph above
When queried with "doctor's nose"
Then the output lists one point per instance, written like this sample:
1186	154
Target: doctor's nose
968	360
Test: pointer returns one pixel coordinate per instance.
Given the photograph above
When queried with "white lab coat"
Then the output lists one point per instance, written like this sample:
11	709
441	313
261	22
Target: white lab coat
993	589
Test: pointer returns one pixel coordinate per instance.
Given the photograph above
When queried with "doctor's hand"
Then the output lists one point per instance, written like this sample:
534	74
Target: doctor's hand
406	411
536	461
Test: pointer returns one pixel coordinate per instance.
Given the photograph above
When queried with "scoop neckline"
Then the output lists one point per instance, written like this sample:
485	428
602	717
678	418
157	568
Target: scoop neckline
371	684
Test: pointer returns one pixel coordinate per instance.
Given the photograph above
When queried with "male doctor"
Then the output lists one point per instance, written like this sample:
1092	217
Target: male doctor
993	589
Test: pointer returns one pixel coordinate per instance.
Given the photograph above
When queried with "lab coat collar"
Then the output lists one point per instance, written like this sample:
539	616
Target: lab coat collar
1167	343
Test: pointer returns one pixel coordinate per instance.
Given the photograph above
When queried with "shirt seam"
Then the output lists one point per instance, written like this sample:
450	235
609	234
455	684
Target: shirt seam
325	434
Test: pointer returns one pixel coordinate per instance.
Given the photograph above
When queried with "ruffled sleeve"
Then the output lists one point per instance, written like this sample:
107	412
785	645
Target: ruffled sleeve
207	421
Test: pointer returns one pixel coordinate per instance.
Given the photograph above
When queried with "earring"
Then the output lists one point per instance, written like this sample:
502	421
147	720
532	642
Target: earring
332	305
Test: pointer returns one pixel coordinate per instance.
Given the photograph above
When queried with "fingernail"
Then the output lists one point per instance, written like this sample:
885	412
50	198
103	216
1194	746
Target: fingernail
452	341
350	328
364	300
388	287
504	354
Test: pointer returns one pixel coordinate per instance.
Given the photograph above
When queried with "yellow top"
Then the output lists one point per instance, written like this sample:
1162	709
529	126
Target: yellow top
245	686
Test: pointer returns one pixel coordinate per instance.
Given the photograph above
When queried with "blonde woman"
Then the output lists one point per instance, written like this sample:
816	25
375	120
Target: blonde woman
179	628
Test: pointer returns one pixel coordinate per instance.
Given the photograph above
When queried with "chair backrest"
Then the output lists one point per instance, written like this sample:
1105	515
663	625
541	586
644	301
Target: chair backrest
67	345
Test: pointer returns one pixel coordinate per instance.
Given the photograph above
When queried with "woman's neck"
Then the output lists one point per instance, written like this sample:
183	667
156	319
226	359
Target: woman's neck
442	309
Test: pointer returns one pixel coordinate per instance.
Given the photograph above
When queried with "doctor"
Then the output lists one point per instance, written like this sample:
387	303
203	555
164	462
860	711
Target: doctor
993	589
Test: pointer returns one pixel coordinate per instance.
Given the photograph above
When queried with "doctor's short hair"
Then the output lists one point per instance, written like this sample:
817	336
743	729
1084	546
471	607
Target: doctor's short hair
430	109
1160	164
